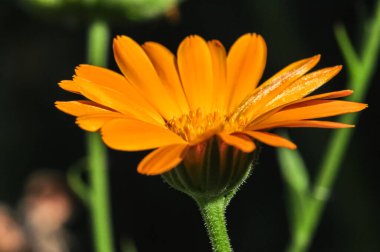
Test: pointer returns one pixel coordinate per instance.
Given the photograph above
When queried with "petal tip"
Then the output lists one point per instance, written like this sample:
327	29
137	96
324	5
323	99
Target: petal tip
58	105
118	38
315	59
150	172
215	42
120	41
193	38
84	126
292	147
62	83
338	68
162	160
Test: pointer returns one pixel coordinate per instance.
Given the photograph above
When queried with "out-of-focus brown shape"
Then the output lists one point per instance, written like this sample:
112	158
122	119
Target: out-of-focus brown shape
46	207
173	15
12	237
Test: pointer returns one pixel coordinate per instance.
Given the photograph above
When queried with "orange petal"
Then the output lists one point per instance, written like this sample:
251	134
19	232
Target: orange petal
271	139
95	121
239	141
134	135
195	68
81	107
162	159
116	83
139	70
70	86
330	95
164	63
219	71
253	105
245	66
302	87
294	70
91	116
103	77
123	102
302	124
314	109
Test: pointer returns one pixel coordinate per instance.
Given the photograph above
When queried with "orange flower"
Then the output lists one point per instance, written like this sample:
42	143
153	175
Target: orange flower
172	103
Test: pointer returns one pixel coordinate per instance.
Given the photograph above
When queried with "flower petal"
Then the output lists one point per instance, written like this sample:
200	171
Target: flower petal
245	66
239	141
134	135
219	71
139	70
111	80
162	159
302	87
93	77
195	68
271	139
91	116
253	105
70	86
331	95
314	109
103	77
164	63
303	124
125	103
95	121
80	107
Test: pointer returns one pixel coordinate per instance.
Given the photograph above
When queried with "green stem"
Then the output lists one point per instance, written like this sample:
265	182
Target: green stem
316	202
352	60
75	180
361	69
98	37
98	42
99	197
213	213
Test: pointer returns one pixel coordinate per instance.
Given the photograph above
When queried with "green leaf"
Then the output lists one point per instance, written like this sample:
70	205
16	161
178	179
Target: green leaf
296	177
293	169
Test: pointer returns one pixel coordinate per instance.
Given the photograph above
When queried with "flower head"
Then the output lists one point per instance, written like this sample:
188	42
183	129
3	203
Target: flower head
175	103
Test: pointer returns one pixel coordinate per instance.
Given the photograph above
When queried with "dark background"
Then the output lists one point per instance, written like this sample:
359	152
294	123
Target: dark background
35	54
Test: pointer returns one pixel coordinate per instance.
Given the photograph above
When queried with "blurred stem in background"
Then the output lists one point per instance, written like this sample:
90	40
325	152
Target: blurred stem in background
99	202
96	194
306	202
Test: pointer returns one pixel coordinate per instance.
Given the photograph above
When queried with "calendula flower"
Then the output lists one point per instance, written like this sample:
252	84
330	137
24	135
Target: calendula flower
176	104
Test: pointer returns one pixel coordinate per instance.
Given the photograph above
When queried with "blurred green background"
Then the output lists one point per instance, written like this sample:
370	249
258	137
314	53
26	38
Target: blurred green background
37	52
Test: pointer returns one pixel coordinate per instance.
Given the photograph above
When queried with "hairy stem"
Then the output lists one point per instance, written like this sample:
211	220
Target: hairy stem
213	213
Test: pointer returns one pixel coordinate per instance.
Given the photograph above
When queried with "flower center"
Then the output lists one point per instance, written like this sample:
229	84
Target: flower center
197	125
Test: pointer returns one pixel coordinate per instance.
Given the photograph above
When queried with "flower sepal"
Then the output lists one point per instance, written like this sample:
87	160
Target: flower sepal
211	169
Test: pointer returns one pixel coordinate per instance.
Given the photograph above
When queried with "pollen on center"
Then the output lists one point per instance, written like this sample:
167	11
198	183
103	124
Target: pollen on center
197	124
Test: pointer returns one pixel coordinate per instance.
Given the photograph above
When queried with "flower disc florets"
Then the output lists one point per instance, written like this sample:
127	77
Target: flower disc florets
196	125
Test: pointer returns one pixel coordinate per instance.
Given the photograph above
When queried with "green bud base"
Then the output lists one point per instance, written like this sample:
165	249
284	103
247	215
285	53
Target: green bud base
211	173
